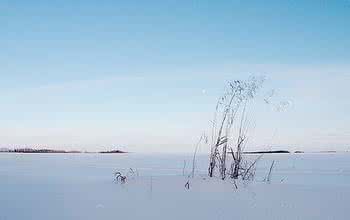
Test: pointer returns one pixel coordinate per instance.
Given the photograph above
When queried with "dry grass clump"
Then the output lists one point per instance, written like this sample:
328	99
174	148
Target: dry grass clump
230	128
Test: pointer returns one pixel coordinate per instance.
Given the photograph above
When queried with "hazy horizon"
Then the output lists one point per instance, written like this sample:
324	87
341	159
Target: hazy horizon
146	77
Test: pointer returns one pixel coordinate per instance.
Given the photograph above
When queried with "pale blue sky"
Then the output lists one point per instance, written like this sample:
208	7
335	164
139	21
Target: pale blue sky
90	75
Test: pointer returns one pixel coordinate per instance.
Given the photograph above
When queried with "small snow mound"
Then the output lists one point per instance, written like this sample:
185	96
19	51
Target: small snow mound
99	206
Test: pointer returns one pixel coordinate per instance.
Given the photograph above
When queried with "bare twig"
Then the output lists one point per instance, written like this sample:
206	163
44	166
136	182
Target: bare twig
268	177
202	138
187	185
183	168
251	166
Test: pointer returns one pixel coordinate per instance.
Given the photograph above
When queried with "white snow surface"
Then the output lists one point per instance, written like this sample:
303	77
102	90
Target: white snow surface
81	186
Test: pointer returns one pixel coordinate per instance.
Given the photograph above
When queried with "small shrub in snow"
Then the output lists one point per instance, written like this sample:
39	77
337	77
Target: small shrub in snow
118	177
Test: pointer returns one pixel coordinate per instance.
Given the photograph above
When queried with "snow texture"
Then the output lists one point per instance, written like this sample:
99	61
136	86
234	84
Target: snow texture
81	186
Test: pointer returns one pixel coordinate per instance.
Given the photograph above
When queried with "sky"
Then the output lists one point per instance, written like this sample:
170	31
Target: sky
145	76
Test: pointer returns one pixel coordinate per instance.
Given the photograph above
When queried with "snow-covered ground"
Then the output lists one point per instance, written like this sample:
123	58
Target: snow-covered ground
80	186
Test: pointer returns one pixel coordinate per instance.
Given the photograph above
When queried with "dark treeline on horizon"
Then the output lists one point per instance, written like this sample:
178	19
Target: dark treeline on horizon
44	150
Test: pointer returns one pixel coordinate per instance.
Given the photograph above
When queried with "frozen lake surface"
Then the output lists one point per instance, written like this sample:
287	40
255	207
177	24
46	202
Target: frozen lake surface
80	186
